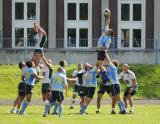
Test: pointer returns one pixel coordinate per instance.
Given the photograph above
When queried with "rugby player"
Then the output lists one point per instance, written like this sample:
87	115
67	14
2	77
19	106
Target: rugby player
30	75
132	87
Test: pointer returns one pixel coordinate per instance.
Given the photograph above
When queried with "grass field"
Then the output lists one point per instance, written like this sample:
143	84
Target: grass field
147	76
144	114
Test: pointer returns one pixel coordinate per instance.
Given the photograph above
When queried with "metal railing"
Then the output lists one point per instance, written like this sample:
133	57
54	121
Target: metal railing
149	55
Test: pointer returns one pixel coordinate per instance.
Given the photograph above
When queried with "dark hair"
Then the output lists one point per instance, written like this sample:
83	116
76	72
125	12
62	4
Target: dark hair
115	62
21	64
62	63
29	64
111	32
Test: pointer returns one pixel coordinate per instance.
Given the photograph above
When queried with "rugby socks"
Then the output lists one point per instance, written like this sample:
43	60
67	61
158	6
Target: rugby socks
55	108
132	108
121	106
60	108
81	104
113	109
83	108
24	106
47	109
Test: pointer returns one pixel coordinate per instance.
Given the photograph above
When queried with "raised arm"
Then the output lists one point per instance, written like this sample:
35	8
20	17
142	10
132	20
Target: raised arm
40	29
49	65
107	58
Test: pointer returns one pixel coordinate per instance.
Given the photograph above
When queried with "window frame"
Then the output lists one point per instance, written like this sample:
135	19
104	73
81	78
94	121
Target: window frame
78	24
131	24
25	23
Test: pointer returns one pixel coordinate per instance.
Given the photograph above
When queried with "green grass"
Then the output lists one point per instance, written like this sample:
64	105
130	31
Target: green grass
147	76
144	114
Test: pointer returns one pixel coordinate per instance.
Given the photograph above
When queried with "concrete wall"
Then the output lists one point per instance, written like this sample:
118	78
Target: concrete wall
157	22
74	57
105	4
1	21
52	24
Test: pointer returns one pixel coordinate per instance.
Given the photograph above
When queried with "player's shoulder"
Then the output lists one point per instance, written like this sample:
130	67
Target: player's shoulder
131	72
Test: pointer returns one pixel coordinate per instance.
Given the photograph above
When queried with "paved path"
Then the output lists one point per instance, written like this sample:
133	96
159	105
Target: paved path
67	102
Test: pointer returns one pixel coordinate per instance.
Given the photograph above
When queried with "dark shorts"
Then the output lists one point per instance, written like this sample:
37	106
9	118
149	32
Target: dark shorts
75	88
40	51
21	89
56	96
90	92
100	55
46	87
29	89
43	41
81	90
126	92
115	89
104	88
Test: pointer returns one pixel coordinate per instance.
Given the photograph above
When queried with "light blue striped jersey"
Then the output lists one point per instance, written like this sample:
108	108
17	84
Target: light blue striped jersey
91	80
104	41
112	74
29	76
58	81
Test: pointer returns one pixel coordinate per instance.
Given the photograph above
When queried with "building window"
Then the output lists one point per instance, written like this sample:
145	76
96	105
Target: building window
19	11
137	38
71	11
131	24
71	37
30	37
125	12
83	11
78	16
31	11
137	12
19	37
125	37
24	14
83	37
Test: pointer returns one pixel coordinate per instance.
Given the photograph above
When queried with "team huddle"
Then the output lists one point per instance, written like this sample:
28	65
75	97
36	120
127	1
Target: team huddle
84	78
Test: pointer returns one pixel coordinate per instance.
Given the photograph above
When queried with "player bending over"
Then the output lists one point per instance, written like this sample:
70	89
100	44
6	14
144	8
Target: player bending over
132	87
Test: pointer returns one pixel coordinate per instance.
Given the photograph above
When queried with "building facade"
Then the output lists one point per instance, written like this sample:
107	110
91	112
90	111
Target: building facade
79	23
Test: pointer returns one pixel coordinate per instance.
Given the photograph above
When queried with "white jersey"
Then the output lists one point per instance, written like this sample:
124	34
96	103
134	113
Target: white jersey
80	78
46	73
127	77
23	72
38	39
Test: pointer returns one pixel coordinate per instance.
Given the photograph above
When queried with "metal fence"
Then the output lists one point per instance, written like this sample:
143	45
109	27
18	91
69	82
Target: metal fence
149	55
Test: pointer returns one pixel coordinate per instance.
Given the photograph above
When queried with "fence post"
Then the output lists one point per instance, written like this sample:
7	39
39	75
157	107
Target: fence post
69	50
25	48
156	48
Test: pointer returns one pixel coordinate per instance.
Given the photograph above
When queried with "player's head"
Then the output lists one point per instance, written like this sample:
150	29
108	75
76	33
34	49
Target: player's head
63	63
125	67
109	32
79	66
21	64
115	62
30	64
107	13
87	66
35	29
59	69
